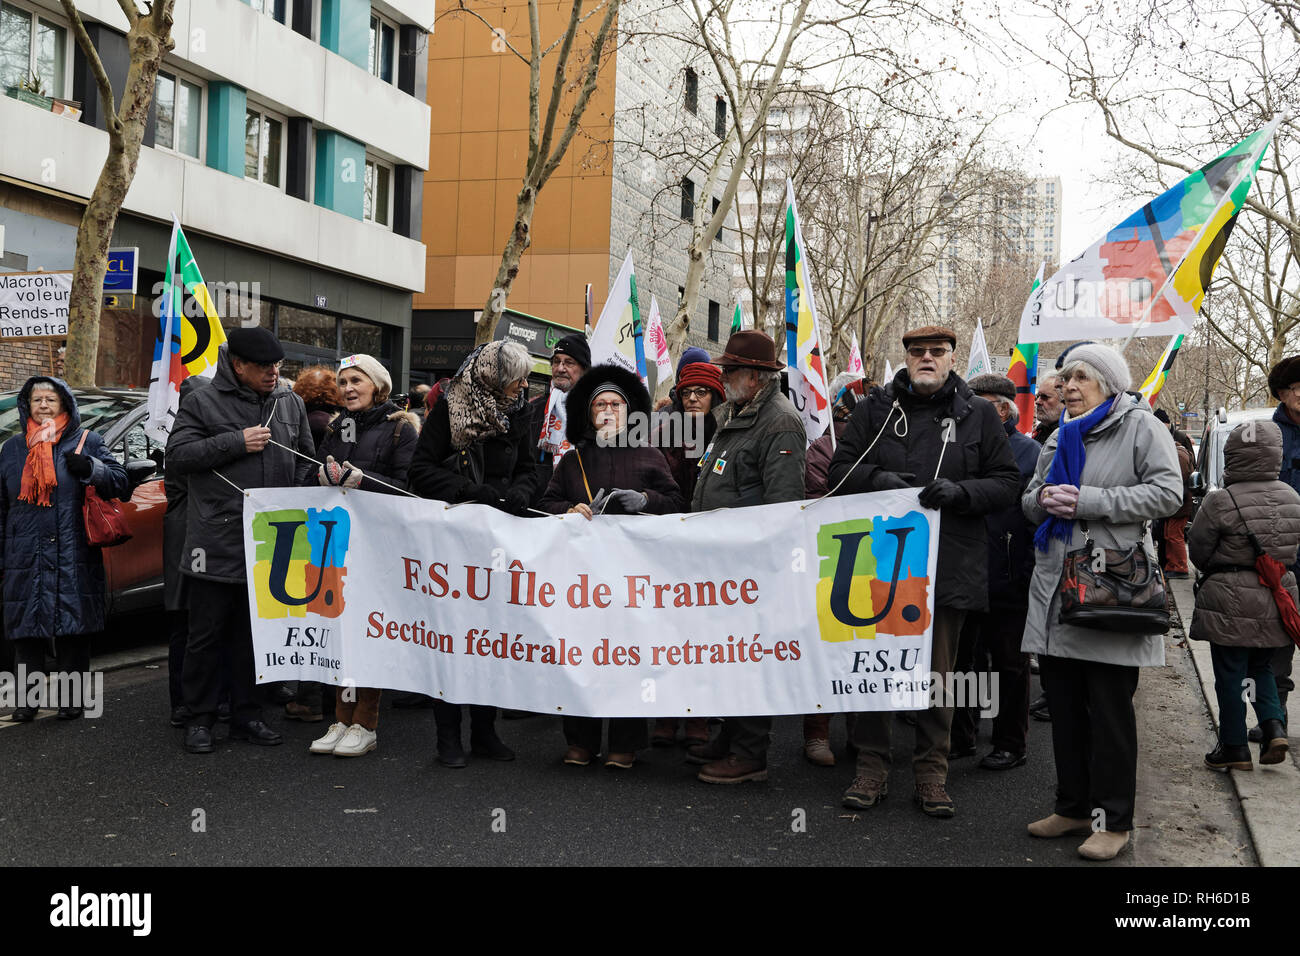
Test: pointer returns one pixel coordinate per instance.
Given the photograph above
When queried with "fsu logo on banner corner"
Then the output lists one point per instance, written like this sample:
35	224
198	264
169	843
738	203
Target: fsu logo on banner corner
872	578
301	562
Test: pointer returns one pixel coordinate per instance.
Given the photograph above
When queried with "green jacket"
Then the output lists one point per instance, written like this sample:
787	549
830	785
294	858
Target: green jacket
757	454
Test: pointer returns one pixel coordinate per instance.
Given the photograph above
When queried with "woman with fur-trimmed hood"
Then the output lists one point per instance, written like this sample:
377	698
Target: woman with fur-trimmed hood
606	474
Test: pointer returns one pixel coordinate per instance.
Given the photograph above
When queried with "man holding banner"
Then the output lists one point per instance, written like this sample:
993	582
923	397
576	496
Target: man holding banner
756	458
926	429
245	430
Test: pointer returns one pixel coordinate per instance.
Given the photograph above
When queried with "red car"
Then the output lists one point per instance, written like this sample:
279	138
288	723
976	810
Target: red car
133	571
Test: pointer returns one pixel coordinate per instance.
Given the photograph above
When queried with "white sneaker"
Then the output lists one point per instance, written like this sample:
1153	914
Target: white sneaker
326	744
356	741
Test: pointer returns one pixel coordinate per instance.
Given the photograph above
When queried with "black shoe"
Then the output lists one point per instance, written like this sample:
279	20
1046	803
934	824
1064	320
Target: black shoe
450	752
1256	735
490	746
1038	709
410	700
1273	746
1234	757
69	713
256	732
280	693
180	715
223	712
957	753
198	739
23	715
1003	760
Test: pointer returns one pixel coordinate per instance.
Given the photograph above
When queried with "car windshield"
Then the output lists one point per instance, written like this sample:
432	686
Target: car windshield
98	411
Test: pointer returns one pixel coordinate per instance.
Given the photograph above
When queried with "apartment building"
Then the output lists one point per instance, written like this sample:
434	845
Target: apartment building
289	137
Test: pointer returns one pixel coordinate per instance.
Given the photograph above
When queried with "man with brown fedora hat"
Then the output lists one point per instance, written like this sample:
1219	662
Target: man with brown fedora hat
926	429
756	458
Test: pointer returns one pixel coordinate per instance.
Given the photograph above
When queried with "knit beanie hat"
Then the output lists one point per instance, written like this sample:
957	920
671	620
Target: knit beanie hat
575	346
689	357
1115	376
699	374
373	369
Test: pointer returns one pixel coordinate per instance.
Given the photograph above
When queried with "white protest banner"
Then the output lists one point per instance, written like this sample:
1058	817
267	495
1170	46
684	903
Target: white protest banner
34	304
828	608
979	363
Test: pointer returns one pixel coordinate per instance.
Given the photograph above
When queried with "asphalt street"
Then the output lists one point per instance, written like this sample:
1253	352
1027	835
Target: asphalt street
119	790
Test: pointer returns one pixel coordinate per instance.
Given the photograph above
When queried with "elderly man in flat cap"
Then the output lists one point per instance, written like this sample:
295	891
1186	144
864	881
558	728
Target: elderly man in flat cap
222	440
927	430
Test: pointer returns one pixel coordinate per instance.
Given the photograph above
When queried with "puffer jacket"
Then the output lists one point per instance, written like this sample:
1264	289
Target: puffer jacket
912	430
1232	608
384	441
53	578
1131	477
207	443
756	456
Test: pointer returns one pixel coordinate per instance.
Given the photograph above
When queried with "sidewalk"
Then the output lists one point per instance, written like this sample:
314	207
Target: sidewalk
1269	796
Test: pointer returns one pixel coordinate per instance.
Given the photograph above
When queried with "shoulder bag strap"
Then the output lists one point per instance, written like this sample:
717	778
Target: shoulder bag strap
81	444
1250	536
584	476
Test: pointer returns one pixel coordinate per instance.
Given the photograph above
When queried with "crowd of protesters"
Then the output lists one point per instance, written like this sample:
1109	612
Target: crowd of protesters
1097	470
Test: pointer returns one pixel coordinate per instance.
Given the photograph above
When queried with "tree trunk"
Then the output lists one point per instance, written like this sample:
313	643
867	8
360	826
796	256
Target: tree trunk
148	40
519	240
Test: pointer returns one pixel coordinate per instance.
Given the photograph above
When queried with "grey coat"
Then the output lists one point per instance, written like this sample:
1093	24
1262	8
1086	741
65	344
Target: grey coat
1131	476
207	442
760	453
1232	608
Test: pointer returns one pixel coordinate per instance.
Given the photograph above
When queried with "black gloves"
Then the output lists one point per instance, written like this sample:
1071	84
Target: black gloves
516	502
78	465
882	480
483	494
943	493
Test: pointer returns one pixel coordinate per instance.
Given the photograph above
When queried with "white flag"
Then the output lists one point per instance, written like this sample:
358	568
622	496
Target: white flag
617	336
889	371
979	363
855	358
654	334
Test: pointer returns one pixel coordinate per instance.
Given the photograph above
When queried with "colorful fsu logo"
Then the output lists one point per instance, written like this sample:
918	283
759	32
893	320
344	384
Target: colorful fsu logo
873	577
299	561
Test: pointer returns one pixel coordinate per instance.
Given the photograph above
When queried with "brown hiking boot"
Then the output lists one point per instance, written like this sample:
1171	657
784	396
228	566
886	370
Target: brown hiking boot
707	752
296	711
865	792
934	800
819	752
665	732
697	730
734	769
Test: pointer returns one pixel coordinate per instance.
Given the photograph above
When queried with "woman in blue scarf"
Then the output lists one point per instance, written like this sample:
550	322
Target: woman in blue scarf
1109	470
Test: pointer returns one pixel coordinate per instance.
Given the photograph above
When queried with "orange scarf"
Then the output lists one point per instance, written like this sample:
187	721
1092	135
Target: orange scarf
39	477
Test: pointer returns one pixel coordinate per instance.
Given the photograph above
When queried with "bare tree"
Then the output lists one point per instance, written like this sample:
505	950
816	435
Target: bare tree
574	79
149	38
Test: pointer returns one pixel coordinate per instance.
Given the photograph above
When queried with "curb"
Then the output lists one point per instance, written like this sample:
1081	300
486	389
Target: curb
1269	796
121	660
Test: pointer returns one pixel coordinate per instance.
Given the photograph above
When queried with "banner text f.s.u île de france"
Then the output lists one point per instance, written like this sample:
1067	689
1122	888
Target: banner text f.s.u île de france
775	609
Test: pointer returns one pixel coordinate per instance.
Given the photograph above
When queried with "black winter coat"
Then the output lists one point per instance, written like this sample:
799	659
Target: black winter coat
635	469
177	488
1011	536
207	442
543	460
911	430
53	578
502	461
385	442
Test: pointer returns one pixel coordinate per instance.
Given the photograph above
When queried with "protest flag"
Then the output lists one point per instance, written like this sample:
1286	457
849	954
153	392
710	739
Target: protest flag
1156	380
806	368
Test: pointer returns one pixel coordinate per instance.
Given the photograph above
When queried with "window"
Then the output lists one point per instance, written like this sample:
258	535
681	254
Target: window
264	145
715	320
378	206
692	89
688	199
1049	232
1051	189
717	235
275	9
383	37
179	106
720	117
32	45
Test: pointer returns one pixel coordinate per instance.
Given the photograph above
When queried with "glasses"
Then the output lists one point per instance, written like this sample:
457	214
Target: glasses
264	366
608	406
919	351
694	392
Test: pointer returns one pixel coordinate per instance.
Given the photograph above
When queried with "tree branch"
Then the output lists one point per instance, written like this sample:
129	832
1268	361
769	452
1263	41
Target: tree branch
111	119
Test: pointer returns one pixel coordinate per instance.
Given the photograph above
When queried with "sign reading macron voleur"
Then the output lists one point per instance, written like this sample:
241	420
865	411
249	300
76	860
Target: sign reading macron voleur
777	609
34	303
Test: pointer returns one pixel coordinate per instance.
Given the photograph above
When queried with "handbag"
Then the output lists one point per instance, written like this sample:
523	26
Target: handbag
1110	590
105	523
